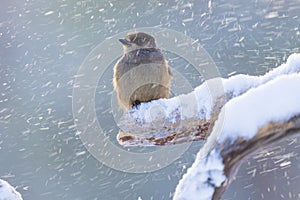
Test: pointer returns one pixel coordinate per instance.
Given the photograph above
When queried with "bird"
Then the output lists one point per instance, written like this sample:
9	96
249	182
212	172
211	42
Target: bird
142	74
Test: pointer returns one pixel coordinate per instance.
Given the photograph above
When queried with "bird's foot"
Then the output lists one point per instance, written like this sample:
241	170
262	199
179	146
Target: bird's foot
136	104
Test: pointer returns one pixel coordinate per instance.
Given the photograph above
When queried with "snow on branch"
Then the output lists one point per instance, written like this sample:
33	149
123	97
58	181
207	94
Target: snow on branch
191	116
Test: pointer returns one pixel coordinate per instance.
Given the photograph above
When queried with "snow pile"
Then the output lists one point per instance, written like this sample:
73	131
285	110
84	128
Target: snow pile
277	100
7	192
274	97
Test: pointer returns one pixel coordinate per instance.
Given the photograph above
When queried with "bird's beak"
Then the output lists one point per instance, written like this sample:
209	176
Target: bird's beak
125	42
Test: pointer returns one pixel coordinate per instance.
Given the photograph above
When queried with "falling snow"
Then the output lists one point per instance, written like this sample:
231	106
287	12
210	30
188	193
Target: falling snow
43	44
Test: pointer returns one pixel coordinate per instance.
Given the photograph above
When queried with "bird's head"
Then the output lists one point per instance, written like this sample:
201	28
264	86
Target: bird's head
140	40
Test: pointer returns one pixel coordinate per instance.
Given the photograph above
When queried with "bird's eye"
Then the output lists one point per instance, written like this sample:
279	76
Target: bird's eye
141	41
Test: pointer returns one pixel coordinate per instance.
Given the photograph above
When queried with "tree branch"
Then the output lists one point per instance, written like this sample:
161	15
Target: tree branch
237	118
233	155
254	120
191	117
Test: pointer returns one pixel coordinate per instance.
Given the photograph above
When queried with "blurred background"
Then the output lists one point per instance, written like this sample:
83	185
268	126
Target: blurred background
42	45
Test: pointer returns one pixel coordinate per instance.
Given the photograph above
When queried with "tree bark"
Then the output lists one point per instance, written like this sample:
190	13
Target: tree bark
269	135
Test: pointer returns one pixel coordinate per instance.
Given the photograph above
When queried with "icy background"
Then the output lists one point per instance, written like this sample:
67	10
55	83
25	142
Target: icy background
43	44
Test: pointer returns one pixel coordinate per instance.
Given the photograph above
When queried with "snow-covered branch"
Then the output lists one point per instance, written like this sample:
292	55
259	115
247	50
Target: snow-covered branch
251	113
254	120
191	116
